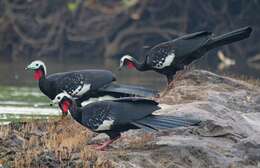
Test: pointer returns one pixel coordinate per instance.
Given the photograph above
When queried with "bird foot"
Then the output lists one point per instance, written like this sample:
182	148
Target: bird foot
179	75
103	147
94	146
187	68
171	85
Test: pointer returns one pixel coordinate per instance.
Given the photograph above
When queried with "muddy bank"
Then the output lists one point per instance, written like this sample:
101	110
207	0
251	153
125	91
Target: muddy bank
229	135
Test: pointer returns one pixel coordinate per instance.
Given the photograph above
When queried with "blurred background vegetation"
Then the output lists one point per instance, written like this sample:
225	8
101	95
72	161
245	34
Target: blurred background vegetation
80	34
74	34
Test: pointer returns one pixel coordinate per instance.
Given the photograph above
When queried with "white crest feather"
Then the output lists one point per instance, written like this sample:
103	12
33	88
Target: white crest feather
125	57
60	96
37	64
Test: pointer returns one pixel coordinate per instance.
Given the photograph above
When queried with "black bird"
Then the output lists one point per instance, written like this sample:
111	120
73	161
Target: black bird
84	84
169	57
113	117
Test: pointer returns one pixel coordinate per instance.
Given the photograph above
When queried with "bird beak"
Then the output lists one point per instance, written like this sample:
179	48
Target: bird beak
53	102
29	67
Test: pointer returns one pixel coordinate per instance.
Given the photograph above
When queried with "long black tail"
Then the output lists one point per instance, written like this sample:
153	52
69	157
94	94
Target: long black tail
159	122
130	90
230	37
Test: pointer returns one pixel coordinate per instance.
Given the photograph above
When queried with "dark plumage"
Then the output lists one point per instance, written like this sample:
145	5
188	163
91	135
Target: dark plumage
116	116
84	84
169	57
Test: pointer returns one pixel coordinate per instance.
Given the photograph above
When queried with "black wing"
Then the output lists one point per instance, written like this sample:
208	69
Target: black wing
106	115
129	90
137	100
95	115
121	114
77	83
127	110
158	54
181	47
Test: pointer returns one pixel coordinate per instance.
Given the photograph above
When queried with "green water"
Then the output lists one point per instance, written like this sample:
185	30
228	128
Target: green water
24	104
22	94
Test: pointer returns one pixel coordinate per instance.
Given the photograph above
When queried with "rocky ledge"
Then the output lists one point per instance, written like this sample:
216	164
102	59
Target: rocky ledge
229	135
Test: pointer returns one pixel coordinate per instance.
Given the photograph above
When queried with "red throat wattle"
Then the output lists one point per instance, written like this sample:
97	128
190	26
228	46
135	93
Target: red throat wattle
65	106
130	65
38	74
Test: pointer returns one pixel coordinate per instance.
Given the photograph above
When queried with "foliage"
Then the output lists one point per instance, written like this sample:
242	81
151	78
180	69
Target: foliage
105	29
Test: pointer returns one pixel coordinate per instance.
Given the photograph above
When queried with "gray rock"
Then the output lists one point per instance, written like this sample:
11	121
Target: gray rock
75	156
229	135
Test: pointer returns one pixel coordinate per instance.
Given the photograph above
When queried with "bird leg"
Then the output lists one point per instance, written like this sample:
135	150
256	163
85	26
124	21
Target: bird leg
170	81
103	146
178	75
187	68
169	85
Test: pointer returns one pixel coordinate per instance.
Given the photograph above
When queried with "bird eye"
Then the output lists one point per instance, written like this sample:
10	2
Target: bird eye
58	98
37	64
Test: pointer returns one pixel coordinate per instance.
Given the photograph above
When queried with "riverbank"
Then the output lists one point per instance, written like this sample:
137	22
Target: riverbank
229	135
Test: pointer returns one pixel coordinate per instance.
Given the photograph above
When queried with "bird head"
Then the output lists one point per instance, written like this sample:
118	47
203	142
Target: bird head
39	69
64	100
128	61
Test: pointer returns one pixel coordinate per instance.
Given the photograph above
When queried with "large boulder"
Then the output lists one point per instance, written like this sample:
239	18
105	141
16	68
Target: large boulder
227	137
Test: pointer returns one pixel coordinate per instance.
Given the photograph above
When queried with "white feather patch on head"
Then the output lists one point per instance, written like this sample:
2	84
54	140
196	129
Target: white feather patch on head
106	125
80	90
167	62
125	57
60	96
37	64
